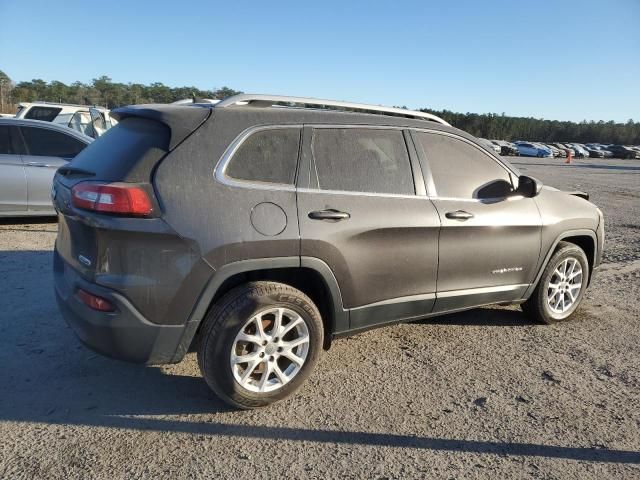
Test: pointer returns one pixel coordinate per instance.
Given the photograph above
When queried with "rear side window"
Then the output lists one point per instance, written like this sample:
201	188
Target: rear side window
362	160
49	143
5	141
46	114
458	168
267	156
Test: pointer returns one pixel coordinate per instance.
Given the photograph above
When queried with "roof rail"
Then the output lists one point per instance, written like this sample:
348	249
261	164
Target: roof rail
43	102
252	100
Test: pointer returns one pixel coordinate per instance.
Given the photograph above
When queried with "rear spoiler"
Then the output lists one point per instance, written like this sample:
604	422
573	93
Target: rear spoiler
580	194
182	121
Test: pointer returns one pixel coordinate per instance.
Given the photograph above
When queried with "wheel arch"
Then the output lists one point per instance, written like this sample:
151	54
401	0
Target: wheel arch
585	239
310	275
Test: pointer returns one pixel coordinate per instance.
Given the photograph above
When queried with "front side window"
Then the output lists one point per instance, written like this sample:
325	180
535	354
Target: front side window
362	160
267	156
46	114
49	143
459	169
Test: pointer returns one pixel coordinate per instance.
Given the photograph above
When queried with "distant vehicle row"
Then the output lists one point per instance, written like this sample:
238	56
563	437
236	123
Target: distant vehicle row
557	149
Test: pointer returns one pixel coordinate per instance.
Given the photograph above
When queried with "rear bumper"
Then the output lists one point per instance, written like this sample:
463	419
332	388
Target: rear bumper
123	334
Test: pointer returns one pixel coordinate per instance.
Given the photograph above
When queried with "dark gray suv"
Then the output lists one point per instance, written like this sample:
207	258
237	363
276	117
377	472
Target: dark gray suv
262	228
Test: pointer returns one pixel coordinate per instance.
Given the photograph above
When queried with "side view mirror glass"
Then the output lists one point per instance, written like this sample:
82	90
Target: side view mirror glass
528	187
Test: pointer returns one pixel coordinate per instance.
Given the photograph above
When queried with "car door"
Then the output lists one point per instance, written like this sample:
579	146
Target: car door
359	213
13	182
47	149
490	239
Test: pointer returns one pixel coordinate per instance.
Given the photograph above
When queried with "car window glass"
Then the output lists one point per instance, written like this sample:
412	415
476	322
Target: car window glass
267	156
5	141
459	169
46	114
81	121
362	160
49	143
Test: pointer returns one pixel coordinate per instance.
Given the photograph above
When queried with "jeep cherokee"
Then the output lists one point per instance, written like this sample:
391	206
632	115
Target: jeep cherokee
261	228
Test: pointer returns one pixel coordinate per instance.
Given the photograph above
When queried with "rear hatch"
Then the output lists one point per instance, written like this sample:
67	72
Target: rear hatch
111	229
125	153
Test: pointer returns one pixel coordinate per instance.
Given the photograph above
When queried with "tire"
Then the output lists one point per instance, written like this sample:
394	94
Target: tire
539	305
245	308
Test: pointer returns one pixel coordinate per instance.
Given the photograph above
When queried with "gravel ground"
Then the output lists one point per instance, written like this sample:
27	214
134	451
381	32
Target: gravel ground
482	394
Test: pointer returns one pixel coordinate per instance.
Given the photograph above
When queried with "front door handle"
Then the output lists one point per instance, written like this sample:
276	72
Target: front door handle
459	215
329	214
38	164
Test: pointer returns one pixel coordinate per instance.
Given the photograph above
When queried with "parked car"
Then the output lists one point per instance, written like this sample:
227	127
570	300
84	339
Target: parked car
30	153
561	152
89	120
506	148
566	148
490	145
595	146
594	152
580	151
621	151
526	149
263	233
555	151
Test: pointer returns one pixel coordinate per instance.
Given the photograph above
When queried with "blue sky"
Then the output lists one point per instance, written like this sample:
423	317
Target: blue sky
565	59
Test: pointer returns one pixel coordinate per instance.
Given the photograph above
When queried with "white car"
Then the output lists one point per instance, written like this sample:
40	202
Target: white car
92	121
490	145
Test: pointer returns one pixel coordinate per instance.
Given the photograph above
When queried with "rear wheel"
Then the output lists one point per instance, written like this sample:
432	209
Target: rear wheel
561	286
259	343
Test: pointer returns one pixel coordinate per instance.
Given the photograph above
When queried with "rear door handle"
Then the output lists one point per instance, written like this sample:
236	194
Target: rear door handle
329	214
459	215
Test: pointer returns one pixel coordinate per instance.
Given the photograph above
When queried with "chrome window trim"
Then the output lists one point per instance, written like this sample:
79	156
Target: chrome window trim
220	169
363	194
220	175
510	172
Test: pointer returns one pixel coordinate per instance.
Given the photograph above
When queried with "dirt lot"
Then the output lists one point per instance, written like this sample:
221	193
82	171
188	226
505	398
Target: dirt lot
482	394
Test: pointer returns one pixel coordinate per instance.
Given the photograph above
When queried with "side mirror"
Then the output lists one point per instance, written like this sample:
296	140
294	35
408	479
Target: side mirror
528	187
495	189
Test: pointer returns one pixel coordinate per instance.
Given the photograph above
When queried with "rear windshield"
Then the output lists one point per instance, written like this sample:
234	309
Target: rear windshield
126	152
46	114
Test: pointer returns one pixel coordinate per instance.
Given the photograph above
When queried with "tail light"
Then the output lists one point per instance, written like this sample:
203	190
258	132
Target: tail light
95	302
118	198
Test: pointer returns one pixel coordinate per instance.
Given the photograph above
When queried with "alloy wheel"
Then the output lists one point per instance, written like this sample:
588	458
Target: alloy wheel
269	350
564	285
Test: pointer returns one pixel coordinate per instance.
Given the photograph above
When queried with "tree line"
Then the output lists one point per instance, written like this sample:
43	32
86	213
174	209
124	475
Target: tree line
103	91
503	127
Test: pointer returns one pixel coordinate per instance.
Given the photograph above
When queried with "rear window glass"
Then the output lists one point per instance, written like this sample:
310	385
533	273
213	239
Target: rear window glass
49	143
362	160
46	114
128	151
267	156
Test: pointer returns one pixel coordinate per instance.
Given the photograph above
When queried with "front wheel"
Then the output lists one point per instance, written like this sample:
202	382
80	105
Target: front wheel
259	343
561	286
